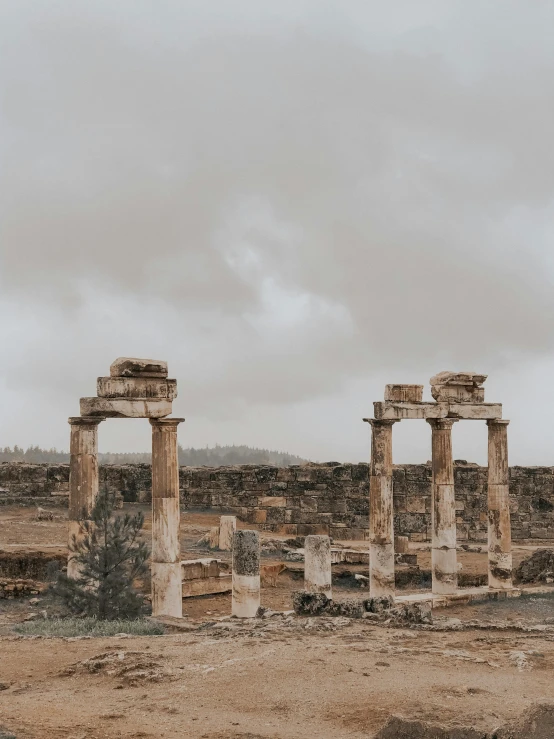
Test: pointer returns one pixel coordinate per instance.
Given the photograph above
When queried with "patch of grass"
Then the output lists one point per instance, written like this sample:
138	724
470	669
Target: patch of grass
88	627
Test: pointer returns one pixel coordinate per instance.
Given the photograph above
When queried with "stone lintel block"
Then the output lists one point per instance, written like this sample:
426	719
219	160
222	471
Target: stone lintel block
404	393
458	393
134	367
125	408
458	378
136	387
475	411
396	411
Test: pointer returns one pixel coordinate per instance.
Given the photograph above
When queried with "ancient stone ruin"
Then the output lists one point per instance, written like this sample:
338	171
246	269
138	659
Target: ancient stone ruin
140	388
458	396
136	388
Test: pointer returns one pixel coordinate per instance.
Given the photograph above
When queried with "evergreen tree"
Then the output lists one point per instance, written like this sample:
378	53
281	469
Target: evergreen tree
110	557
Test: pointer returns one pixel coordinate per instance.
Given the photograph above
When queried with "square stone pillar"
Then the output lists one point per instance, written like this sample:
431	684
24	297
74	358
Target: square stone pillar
83	476
317	565
166	548
443	553
500	533
381	513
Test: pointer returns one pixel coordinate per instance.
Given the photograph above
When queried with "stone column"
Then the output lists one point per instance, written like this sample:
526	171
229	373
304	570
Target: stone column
500	534
381	521
83	476
227	527
166	549
246	574
443	553
317	565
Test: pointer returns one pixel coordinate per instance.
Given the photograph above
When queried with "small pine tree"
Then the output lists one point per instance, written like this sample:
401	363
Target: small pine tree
110	557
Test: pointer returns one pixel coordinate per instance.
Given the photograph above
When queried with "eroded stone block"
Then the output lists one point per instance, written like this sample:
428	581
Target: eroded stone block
134	367
136	387
390	410
124	408
475	412
458	378
404	393
458	393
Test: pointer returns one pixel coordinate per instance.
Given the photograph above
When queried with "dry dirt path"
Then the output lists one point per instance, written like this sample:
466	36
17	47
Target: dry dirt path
309	678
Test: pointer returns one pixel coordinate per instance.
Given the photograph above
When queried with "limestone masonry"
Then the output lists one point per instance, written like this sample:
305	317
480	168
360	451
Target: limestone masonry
327	498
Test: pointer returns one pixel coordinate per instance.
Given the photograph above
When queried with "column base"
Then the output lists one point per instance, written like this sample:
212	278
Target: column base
246	595
381	570
167	597
445	571
500	570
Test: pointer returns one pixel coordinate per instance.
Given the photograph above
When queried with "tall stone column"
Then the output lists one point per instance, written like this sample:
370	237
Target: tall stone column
166	549
443	553
500	534
246	574
83	476
381	521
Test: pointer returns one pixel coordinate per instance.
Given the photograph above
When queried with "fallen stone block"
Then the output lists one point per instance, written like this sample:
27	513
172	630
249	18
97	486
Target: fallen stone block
539	567
537	722
136	387
401	728
404	393
122	408
134	367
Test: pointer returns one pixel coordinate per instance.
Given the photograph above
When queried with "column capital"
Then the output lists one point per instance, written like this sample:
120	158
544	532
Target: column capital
498	422
170	423
85	420
381	421
441	423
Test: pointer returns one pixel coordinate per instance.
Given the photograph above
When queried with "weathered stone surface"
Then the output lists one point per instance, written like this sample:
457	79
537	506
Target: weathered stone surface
136	387
317	567
227	528
458	378
404	393
458	393
397	411
341	493
123	408
475	412
134	367
246	574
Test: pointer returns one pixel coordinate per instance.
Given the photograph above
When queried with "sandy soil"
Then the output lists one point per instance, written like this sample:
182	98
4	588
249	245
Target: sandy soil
272	678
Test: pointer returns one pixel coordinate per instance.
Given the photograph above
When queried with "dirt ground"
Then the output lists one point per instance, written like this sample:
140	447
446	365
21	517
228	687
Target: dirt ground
276	678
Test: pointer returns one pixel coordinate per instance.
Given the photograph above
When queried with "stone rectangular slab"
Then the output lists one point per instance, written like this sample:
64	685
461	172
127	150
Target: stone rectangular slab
135	367
207	586
475	411
390	410
196	569
136	387
125	408
404	393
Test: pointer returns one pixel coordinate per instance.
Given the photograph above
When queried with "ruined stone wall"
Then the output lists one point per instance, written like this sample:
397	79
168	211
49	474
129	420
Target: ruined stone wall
324	498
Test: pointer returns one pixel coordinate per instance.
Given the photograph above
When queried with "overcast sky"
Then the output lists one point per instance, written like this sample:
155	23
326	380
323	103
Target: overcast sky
293	203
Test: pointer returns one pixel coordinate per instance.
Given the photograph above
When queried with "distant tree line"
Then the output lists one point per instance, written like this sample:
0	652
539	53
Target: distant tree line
217	456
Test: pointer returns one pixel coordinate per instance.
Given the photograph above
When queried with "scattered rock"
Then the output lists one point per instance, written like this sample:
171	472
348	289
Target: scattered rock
539	567
535	723
401	728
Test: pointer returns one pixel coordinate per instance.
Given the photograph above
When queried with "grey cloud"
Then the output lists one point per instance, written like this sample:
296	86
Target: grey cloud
224	180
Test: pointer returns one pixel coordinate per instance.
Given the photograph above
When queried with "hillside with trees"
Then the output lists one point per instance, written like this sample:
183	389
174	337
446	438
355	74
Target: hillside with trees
217	456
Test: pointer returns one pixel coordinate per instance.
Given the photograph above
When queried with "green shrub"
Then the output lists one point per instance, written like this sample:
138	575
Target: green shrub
110	556
88	627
